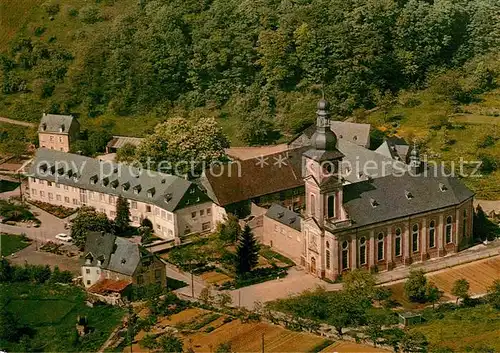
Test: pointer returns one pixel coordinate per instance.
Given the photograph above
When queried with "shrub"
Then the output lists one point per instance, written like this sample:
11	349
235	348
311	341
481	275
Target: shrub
51	7
90	14
72	12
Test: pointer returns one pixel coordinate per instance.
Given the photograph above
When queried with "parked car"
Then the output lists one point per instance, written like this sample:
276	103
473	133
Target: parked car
64	237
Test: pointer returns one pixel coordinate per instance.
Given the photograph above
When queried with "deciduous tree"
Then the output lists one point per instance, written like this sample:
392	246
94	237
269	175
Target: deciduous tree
122	219
89	220
415	286
460	289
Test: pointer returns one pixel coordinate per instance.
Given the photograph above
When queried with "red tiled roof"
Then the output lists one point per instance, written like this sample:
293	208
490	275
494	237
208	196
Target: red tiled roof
109	285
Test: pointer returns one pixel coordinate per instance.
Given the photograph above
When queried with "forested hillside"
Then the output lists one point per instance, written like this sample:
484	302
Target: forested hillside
258	66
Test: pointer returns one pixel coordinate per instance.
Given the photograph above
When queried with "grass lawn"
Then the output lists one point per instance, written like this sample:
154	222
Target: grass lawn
10	243
461	139
6	185
466	329
51	311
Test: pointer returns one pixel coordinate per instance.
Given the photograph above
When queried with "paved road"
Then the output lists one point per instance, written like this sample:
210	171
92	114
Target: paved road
16	122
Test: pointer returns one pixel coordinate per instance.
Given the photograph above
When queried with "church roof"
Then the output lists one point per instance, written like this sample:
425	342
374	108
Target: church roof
397	197
352	132
284	216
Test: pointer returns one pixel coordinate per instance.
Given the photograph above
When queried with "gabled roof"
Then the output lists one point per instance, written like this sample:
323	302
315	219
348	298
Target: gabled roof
352	132
243	180
119	254
55	123
120	141
99	246
284	216
391	200
80	171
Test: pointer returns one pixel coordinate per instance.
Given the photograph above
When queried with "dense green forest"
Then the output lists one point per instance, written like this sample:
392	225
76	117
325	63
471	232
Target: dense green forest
263	61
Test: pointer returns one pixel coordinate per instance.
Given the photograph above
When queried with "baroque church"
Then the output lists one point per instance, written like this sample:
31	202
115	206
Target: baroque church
384	220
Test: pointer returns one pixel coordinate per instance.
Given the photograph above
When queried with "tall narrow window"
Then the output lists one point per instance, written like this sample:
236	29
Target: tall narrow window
345	255
362	251
327	255
432	234
397	242
448	229
331	206
380	246
414	238
464	224
313	205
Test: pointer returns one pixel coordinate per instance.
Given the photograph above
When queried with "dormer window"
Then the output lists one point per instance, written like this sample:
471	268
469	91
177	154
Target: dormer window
115	183
61	128
408	195
44	127
192	190
151	192
360	175
115	170
163	181
43	167
93	179
374	203
442	187
53	170
292	220
69	173
126	186
75	177
281	214
105	181
60	171
137	189
168	197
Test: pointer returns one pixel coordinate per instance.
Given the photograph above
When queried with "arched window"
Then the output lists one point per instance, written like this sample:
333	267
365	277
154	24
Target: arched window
331	206
414	238
380	246
432	234
362	251
345	255
313	205
327	255
397	242
464	224
448	229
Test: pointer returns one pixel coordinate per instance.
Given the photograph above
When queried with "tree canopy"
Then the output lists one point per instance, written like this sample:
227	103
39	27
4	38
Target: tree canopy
89	220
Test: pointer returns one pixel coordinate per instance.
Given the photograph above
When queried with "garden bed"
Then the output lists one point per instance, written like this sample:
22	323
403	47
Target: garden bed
6	185
58	211
14	212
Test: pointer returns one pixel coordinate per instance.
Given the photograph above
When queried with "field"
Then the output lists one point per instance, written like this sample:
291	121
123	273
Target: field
51	312
243	336
10	243
479	274
467	329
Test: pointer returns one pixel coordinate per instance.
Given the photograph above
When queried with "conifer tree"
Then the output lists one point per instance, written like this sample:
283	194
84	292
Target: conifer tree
247	251
122	219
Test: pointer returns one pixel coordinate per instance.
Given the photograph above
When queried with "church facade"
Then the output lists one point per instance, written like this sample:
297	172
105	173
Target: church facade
377	223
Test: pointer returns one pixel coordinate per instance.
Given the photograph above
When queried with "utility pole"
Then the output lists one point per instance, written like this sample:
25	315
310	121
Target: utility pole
262	342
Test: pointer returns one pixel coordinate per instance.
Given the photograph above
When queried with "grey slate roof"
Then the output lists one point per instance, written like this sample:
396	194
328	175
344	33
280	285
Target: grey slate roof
99	246
358	159
125	258
395	148
347	131
390	195
166	191
119	254
55	122
284	216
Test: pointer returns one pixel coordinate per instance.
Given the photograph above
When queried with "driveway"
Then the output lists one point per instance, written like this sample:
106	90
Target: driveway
51	225
30	255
